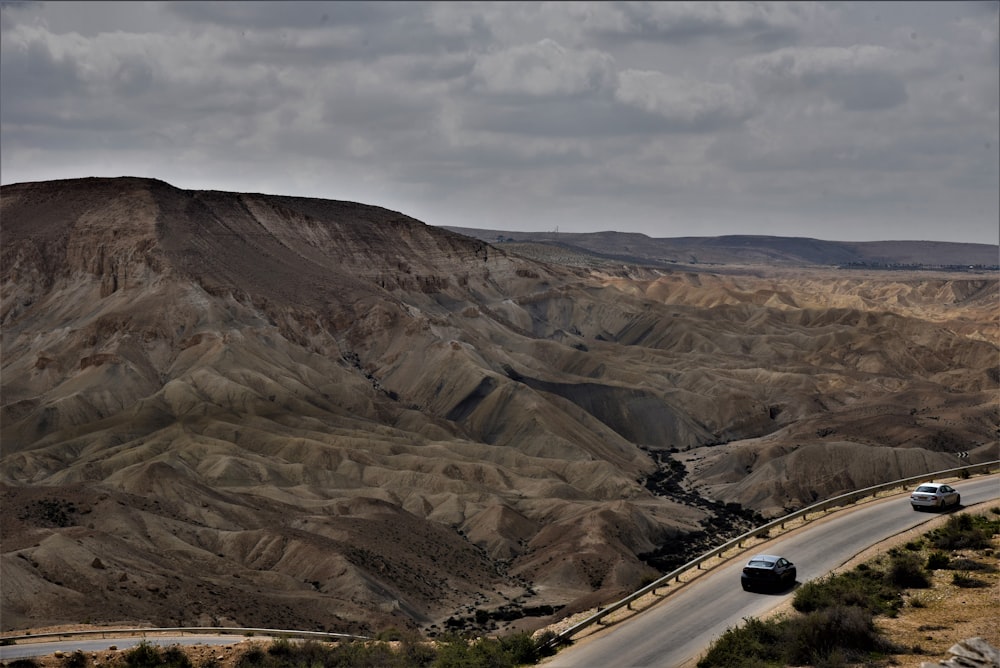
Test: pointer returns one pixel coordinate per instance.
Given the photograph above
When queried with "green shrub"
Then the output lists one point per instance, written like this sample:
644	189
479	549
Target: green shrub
143	655
967	582
416	652
175	657
364	655
832	636
906	572
964	564
543	644
490	652
280	647
148	655
964	531
452	651
937	560
254	656
864	589
390	635
521	648
753	645
23	663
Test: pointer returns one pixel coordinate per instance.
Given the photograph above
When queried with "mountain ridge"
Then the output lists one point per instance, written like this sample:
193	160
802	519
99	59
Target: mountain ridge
341	417
747	249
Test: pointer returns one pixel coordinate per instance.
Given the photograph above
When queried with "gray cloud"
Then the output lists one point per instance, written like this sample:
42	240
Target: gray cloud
859	77
834	120
692	105
543	69
758	23
295	15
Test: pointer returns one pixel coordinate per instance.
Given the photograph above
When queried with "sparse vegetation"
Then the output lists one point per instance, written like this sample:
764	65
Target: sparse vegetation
23	663
835	624
966	581
937	560
965	531
76	660
906	572
867	589
407	651
148	655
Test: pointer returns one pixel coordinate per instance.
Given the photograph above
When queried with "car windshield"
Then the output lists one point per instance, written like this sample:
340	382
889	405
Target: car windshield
927	488
760	563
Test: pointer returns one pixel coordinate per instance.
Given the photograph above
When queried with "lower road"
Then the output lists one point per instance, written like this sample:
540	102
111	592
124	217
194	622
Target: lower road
88	645
676	631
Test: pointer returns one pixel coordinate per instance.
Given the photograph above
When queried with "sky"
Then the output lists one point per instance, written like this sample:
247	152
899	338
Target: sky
839	121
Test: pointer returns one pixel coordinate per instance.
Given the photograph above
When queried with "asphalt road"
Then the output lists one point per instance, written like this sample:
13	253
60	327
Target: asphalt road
676	631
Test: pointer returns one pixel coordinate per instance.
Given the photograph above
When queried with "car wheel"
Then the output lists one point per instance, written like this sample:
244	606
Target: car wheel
746	587
916	508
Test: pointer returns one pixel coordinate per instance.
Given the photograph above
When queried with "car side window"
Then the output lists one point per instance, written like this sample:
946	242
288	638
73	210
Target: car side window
782	562
945	488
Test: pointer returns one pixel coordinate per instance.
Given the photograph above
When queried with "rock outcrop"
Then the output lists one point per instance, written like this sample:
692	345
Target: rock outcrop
970	653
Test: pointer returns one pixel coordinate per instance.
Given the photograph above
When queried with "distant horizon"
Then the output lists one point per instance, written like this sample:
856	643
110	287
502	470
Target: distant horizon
517	231
736	236
830	120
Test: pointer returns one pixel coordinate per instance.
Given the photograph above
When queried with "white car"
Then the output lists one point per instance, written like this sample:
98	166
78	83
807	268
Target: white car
934	495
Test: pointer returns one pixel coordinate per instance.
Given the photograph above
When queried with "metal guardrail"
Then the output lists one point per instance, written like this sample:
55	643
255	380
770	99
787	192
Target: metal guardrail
181	630
564	636
822	506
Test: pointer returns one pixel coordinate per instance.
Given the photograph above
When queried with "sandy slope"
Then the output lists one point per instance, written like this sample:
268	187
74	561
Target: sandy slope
243	409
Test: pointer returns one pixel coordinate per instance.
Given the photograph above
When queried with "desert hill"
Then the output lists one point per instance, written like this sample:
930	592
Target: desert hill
244	409
746	250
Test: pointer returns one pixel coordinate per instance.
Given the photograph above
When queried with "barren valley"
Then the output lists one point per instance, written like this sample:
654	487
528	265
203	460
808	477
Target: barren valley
253	410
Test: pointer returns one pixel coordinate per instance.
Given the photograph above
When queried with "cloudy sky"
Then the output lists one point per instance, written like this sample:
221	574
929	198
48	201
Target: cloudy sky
842	121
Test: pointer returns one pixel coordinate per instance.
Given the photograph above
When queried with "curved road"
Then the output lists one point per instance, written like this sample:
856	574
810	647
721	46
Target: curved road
677	630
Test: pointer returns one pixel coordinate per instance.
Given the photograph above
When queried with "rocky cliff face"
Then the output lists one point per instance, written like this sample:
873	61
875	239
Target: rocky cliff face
240	409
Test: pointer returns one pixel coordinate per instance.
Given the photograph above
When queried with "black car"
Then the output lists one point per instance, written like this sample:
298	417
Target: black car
766	571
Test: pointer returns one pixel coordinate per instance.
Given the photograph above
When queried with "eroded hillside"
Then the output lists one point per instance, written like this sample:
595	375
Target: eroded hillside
239	409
